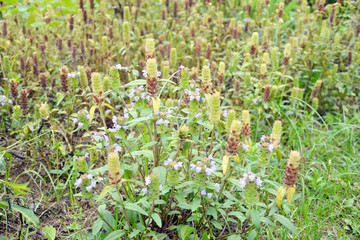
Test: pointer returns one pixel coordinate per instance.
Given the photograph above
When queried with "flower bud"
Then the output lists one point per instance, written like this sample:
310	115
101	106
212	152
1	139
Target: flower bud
173	172
267	91
24	104
13	88
183	132
63	79
114	168
97	87
263	71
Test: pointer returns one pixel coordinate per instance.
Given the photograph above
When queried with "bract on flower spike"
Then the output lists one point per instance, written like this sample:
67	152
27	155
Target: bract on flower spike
221	72
287	54
115	78
152	76
206	82
229	118
234	137
126	33
173	57
246	127
149	48
267	91
24	104
291	175
251	183
213	102
63	77
114	168
13	88
44	111
316	89
97	87
106	83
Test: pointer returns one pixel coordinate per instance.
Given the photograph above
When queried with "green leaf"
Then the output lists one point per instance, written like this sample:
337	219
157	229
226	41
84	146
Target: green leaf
104	192
157	219
195	204
17	188
27	213
115	235
92	111
10	1
134	207
162	173
255	218
138	120
97	225
146	153
252	235
239	215
186	231
50	232
286	222
234	237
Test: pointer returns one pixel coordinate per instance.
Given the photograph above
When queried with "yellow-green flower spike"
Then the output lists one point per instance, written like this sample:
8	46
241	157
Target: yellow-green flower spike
115	79
230	118
106	83
235	127
150	48
226	164
206	79
83	77
287	50
315	103
245	116
114	168
221	69
17	112
214	107
151	68
173	57
97	86
126	14
294	159
184	79
276	133
44	111
255	39
126	33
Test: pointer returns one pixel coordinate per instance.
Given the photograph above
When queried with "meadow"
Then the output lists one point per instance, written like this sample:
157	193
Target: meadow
179	119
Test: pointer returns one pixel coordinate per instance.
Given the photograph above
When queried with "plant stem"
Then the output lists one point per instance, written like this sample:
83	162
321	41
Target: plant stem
100	215
122	203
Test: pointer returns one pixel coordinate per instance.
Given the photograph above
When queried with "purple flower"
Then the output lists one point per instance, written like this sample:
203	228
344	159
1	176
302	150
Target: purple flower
118	66
147	180
144	190
168	161
209	195
178	165
78	183
203	192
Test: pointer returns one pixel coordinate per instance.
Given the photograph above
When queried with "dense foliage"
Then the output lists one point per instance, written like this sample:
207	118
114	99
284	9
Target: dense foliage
179	119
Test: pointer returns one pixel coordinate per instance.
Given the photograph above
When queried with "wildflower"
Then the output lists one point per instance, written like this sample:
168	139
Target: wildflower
168	161
78	183
147	180
203	192
118	66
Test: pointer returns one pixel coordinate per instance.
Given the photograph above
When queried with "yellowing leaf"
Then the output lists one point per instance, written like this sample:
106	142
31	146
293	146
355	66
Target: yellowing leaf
92	111
109	106
156	104
290	194
225	164
104	192
280	195
237	159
